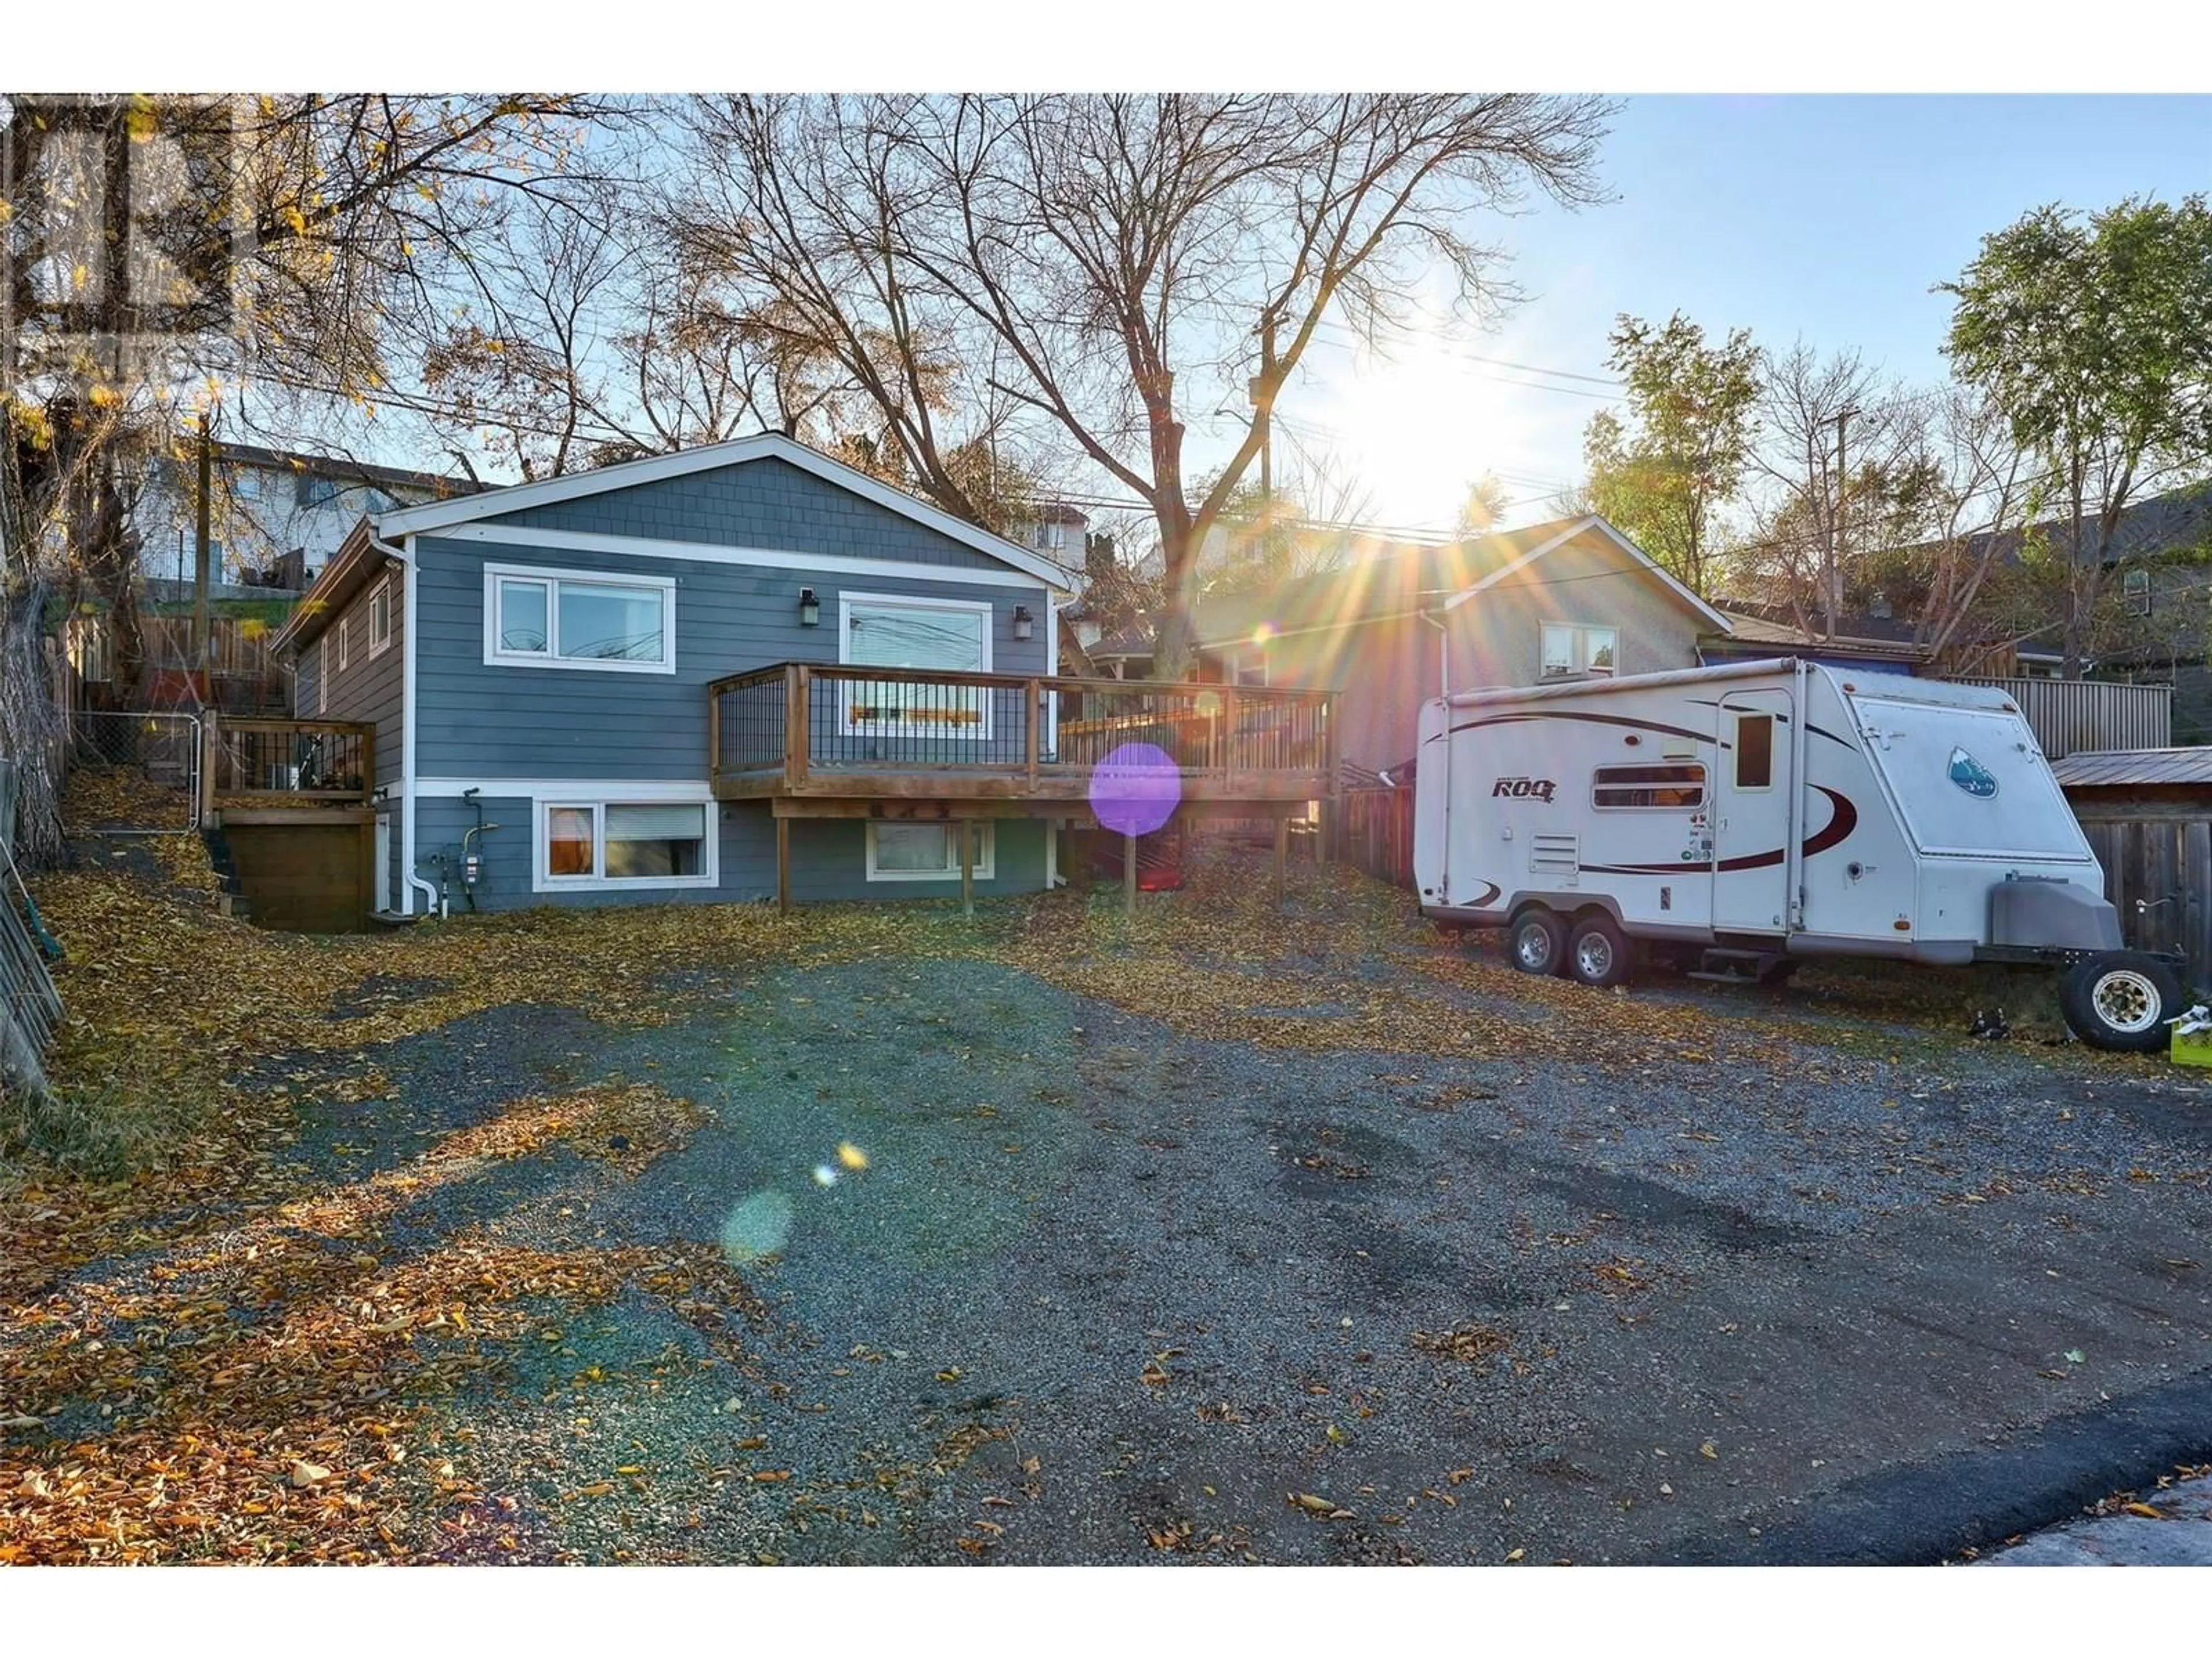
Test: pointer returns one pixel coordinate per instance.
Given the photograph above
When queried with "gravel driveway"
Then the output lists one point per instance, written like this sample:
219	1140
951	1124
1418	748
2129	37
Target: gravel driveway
1118	1284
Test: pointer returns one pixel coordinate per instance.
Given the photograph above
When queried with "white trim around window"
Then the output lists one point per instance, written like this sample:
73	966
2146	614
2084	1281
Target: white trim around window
323	674
516	582
1575	648
987	850
345	641
595	810
892	708
379	618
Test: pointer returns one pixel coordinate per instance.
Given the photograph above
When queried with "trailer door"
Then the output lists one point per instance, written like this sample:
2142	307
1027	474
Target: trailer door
1752	813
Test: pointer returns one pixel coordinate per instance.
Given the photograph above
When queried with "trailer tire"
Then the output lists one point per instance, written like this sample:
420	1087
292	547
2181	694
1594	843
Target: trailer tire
2120	1000
1597	955
1538	941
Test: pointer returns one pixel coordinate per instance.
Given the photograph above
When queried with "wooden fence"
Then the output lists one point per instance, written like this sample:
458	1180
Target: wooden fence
2067	716
2158	873
1377	833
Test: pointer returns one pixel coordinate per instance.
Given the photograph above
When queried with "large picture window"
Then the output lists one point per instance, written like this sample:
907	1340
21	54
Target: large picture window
926	851
551	618
948	635
1578	649
586	844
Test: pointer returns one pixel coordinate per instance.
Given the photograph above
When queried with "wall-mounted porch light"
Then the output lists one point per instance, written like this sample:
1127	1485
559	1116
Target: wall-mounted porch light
1025	623
810	608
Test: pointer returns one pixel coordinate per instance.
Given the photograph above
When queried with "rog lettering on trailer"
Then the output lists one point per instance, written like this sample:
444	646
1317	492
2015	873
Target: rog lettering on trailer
1524	789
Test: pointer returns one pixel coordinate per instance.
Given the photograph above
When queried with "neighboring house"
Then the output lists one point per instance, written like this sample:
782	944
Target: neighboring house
645	677
1056	531
1401	623
243	676
1753	635
271	513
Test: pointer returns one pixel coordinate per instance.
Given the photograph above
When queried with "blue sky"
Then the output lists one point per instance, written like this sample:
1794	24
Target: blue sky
1825	217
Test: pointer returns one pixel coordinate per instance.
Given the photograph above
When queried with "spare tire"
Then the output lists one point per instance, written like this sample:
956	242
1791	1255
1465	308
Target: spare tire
2121	1000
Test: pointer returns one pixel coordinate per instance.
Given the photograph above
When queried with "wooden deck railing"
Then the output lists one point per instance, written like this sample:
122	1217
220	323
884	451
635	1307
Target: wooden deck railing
813	728
284	763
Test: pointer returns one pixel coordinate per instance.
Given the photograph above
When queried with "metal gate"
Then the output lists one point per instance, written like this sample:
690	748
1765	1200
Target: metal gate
133	772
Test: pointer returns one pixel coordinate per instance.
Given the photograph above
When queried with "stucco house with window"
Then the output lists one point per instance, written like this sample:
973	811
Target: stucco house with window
735	671
1396	625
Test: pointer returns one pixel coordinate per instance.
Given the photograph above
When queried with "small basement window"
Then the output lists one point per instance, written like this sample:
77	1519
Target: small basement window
1667	787
587	844
1754	752
926	851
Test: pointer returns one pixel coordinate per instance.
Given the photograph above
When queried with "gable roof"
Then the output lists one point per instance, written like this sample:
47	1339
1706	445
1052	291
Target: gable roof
1376	580
571	486
1415	577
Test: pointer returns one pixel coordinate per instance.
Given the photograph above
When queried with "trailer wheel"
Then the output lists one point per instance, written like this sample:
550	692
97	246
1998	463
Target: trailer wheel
2120	1000
1540	941
1597	955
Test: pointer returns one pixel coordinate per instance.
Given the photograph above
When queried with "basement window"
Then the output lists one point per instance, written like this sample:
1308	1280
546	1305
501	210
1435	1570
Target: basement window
1665	788
926	851
618	844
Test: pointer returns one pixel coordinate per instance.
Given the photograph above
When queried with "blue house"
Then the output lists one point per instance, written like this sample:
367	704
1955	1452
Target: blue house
739	671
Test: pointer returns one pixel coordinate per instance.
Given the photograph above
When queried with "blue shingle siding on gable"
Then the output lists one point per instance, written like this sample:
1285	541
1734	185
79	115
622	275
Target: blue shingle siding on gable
827	859
765	503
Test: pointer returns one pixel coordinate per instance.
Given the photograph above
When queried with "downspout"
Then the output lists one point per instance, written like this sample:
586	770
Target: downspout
1443	653
410	883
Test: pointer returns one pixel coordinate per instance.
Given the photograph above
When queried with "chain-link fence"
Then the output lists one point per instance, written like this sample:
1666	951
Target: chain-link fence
132	774
30	1008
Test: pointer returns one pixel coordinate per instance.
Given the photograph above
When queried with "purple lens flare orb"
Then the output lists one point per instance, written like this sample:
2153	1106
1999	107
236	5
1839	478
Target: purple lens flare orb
1136	788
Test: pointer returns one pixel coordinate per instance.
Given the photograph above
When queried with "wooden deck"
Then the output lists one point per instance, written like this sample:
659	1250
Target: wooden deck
822	740
287	771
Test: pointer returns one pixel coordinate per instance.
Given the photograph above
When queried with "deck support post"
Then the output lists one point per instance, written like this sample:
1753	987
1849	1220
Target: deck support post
966	830
1282	858
783	866
1129	873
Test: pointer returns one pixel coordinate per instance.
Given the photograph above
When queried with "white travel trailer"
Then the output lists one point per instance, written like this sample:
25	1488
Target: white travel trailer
1749	815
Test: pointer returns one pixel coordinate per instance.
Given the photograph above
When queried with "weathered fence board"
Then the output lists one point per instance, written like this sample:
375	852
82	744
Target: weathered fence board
2067	716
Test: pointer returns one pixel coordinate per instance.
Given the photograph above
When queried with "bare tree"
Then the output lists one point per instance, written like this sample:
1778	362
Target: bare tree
1112	264
310	243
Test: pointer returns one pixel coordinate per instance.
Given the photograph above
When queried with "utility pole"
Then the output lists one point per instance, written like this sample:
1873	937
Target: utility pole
1832	600
201	627
1263	404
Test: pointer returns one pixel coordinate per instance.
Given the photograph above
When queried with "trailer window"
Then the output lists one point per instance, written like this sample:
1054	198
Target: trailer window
1669	786
1754	752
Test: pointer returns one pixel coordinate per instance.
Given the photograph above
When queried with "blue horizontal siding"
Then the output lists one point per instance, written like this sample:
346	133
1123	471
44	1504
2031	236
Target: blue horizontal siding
829	858
475	720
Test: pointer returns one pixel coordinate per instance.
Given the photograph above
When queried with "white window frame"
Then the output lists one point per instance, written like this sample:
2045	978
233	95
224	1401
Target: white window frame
496	657
986	852
1245	658
341	630
380	594
980	731
323	673
542	880
1580	633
